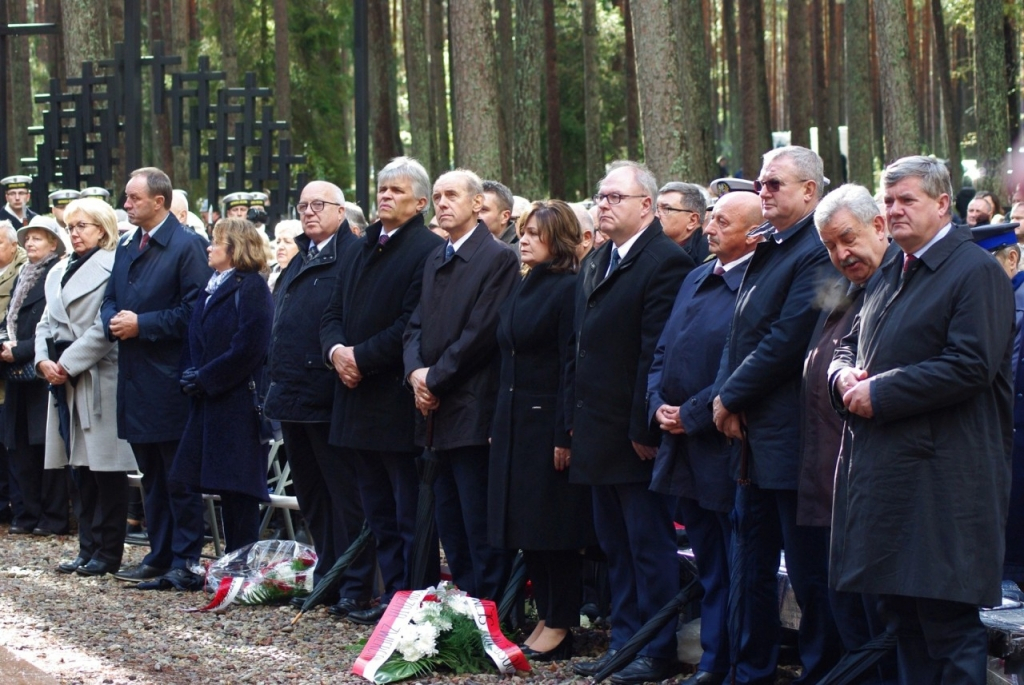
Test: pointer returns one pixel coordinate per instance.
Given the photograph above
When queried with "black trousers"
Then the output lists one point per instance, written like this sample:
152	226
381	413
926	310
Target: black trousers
938	642
101	504
557	580
174	518
241	515
44	492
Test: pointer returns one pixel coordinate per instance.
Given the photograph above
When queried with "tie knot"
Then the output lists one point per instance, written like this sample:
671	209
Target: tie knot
719	270
144	241
909	261
383	239
449	252
313	251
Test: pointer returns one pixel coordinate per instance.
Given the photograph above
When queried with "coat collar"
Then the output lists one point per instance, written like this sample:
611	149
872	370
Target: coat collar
329	254
374	230
168	230
479	236
89	276
732	278
11	272
598	260
226	290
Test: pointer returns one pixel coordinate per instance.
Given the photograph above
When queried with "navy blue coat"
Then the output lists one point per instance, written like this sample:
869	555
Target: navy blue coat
160	284
301	386
762	364
220	450
695	465
374	297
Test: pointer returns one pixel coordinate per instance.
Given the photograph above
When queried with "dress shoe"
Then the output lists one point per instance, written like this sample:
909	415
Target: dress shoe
43	532
139	573
590	668
704	678
95	567
72	566
177	579
561	652
345	606
644	669
19	530
367	617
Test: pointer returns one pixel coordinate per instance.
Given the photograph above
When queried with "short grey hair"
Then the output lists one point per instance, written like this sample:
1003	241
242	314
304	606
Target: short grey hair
407	167
354	215
933	175
501	192
807	162
855	199
693	197
641	174
7	230
469	178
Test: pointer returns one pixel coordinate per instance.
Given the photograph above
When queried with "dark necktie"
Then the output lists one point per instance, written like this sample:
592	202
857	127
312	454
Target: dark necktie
613	262
910	264
313	252
383	239
144	241
449	252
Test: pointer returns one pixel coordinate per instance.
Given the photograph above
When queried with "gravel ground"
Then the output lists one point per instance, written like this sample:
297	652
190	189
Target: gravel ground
85	630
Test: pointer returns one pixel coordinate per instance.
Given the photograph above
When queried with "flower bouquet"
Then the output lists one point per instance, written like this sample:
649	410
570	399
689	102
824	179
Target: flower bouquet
437	629
264	572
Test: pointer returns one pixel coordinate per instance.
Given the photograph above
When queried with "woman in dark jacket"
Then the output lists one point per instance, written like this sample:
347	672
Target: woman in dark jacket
220	452
532	505
44	493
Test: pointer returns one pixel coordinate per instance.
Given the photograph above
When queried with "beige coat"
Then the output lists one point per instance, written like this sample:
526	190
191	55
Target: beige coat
72	313
7	287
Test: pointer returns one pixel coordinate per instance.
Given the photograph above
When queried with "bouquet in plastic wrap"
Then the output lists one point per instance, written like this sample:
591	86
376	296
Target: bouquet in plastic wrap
265	572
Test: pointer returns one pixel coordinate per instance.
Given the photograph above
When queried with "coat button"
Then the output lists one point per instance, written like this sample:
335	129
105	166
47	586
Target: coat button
693	400
583	353
511	388
590	305
579	404
513	351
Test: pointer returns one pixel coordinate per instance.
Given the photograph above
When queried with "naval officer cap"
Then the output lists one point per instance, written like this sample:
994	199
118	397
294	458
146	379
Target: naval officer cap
994	237
62	198
96	191
20	182
258	199
236	200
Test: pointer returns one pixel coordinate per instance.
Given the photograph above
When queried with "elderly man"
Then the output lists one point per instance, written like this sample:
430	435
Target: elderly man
681	208
924	383
159	271
694	459
853	231
451	363
758	380
1017	216
496	212
623	297
12	257
361	336
979	212
17	190
301	392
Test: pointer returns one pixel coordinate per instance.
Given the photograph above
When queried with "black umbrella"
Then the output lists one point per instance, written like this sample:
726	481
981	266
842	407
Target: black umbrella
331	580
60	400
690	592
514	588
857	661
426	556
737	575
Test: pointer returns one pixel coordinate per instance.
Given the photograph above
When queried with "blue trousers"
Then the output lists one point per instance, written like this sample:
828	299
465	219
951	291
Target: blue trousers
710	536
634	528
174	519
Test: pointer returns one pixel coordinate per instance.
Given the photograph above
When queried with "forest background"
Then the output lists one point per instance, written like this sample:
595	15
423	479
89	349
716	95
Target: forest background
542	94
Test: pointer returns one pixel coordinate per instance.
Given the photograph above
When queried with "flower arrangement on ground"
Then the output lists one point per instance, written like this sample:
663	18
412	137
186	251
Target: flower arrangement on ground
265	572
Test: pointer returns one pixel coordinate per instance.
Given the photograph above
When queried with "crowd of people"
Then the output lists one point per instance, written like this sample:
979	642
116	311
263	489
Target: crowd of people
827	375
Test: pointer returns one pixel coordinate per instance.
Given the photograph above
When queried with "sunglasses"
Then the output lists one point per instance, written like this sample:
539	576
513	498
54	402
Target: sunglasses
772	184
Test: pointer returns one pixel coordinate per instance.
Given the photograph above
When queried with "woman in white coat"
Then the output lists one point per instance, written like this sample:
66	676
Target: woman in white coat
73	354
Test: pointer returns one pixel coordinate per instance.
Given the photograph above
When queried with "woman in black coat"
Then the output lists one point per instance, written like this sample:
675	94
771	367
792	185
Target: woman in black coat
220	451
532	506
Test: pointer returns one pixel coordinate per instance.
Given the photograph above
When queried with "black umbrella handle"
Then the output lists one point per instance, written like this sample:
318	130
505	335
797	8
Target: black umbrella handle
430	431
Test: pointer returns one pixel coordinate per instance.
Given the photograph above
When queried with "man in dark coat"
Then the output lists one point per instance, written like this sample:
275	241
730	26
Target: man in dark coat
361	336
924	381
681	208
757	395
853	231
693	462
159	270
452	363
301	392
623	297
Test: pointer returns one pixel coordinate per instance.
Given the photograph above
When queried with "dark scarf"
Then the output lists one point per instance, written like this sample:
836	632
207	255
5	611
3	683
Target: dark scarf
75	263
29	276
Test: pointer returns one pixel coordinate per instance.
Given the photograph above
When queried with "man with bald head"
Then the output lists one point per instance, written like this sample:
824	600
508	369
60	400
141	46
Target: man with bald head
301	392
693	460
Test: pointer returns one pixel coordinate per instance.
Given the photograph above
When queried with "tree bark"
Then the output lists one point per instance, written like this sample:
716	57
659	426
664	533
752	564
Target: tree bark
899	104
383	89
1011	43
798	85
830	142
528	100
950	114
282	63
860	119
697	154
556	166
228	43
989	95
474	82
732	59
756	134
506	83
632	94
20	89
440	160
160	131
592	96
84	32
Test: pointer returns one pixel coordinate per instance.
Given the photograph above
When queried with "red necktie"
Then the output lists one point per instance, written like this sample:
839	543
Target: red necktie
144	241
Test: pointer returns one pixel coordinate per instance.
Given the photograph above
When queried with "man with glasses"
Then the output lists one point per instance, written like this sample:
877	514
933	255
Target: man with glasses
301	392
18	196
680	208
756	401
624	294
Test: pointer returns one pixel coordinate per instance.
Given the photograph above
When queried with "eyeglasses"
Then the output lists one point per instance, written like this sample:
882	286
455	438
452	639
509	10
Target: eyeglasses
613	198
663	210
80	226
316	205
773	184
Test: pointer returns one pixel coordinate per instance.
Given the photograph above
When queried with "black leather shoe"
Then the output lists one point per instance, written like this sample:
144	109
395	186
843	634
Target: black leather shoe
139	573
590	668
644	669
72	566
704	678
95	567
177	579
19	530
43	532
560	652
367	617
345	606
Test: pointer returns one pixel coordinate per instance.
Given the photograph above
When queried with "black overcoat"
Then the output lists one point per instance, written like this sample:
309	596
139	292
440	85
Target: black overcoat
376	293
452	331
301	386
530	505
220	450
922	487
617	325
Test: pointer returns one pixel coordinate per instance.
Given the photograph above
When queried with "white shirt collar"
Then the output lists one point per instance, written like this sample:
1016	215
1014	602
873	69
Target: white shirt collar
938	236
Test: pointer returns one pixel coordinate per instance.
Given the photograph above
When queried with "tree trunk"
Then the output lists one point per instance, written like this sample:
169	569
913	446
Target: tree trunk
506	85
528	100
228	43
899	102
697	154
474	82
798	85
556	166
632	95
440	160
732	58
876	90
84	33
160	131
858	88
950	114
592	96
830	142
1011	43
756	134
383	101
21	105
989	95
282	63
819	28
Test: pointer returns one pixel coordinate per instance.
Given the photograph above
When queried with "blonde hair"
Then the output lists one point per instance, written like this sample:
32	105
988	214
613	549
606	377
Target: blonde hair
98	212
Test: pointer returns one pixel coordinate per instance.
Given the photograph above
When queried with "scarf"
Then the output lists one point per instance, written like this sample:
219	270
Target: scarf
29	276
216	279
75	263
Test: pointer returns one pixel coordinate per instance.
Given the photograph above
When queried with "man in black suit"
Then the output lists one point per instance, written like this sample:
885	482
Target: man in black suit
623	297
361	336
756	400
301	392
452	363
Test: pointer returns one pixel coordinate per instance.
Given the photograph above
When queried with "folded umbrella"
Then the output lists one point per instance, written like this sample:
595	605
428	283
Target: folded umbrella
514	588
857	661
329	583
60	400
426	557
